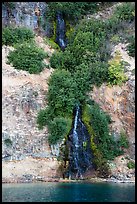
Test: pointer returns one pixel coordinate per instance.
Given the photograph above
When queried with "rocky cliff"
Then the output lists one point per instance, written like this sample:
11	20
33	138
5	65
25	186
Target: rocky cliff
23	95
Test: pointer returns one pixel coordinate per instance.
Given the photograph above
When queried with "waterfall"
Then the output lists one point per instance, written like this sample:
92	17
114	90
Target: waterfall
60	31
76	144
80	156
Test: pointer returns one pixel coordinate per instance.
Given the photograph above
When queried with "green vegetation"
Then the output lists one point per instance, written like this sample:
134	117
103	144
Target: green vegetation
103	145
28	57
131	46
131	165
72	10
116	71
99	160
123	141
59	128
72	13
100	121
8	142
43	118
69	29
83	48
61	100
12	36
81	78
10	5
86	62
125	11
61	93
51	43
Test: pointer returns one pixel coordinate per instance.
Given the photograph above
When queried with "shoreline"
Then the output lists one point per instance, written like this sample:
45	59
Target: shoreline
61	180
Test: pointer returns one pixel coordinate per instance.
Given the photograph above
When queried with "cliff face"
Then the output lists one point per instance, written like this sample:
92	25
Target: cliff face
25	150
119	102
23	95
23	13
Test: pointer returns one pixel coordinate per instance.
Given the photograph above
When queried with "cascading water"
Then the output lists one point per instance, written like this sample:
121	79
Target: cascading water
60	31
76	144
80	155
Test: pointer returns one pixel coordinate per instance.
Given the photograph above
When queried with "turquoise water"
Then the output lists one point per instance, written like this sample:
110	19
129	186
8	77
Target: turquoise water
68	192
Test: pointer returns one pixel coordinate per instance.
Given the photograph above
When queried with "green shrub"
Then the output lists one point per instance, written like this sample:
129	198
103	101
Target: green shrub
28	57
58	128
10	5
61	93
63	60
115	39
123	141
72	10
12	36
82	77
98	73
8	142
116	71
112	25
131	46
126	11
56	60
131	165
69	29
43	118
99	121
51	43
99	161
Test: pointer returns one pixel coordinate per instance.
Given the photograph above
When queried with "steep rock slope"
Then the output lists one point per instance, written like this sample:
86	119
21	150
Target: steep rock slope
119	102
23	95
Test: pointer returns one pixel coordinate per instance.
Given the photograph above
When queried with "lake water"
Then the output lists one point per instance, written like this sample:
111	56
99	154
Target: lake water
68	192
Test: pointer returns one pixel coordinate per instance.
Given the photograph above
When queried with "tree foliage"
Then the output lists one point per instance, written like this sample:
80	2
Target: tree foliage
59	127
61	93
28	57
72	10
12	36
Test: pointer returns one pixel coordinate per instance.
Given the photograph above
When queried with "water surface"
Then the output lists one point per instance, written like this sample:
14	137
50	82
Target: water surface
68	192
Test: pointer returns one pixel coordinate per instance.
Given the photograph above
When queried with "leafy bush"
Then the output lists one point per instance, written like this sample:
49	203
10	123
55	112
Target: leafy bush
58	128
116	71
84	48
72	10
61	93
131	46
10	5
131	165
11	36
56	60
99	161
42	118
99	122
123	141
8	142
82	78
28	57
61	101
63	60
98	73
125	11
51	43
115	39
